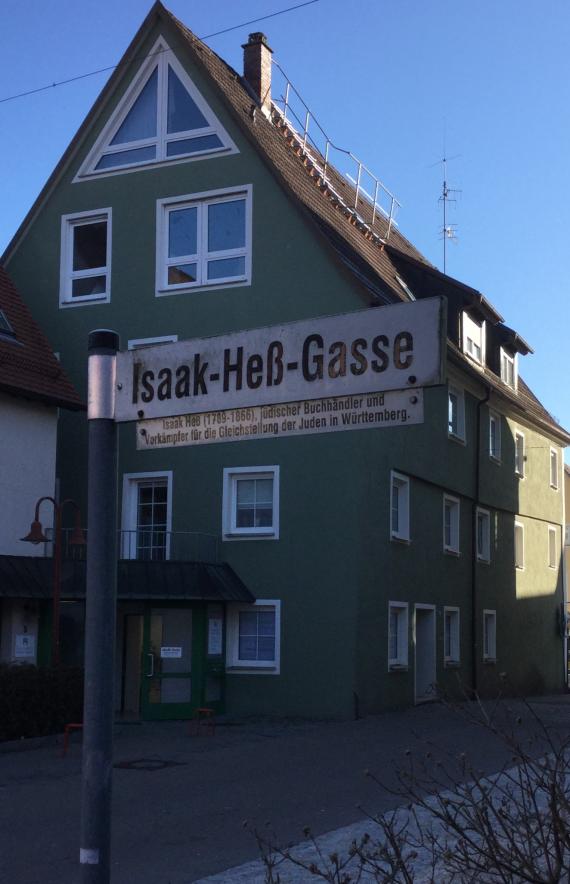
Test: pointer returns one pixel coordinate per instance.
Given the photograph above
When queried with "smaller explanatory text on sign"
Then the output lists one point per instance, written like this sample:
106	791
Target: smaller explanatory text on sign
333	414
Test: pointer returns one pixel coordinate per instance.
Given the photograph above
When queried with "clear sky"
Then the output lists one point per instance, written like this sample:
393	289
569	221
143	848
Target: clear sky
392	81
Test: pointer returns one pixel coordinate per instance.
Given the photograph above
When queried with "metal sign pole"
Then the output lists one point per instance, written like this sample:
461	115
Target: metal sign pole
101	594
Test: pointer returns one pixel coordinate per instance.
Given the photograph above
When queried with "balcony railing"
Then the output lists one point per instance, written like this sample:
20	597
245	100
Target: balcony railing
150	546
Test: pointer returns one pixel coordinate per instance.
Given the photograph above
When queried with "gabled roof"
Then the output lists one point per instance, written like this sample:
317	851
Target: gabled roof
28	367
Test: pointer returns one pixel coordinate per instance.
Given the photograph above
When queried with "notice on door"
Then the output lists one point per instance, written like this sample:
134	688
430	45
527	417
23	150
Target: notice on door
365	412
171	653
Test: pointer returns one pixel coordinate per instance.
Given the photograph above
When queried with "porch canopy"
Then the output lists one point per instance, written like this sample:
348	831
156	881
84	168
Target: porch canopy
31	577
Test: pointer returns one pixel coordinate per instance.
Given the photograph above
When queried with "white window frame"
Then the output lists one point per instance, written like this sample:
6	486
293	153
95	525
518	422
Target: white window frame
508	359
403	484
519	546
520	457
236	666
495	419
489	636
554	460
459	433
452	655
484	554
166	57
66	273
454	545
136	343
473	336
552	547
401	660
131	482
231	476
201	201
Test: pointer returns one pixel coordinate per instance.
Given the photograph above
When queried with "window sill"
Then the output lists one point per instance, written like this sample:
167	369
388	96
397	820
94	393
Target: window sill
451	664
451	552
482	561
490	661
266	535
245	669
459	440
81	302
494	459
397	667
405	541
203	287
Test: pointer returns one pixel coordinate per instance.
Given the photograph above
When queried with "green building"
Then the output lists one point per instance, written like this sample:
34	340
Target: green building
315	573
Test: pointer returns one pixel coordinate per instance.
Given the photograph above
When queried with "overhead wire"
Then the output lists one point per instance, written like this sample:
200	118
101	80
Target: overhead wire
113	66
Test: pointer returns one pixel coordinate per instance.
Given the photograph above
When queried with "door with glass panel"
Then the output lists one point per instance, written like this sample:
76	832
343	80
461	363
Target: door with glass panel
171	686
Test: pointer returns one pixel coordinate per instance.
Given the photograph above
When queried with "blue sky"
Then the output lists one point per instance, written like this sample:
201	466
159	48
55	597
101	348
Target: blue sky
388	80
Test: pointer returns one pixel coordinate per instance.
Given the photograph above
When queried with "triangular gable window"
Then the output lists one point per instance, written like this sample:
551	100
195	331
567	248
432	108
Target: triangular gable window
162	118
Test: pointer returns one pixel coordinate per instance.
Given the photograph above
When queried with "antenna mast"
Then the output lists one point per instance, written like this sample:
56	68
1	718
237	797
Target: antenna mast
448	231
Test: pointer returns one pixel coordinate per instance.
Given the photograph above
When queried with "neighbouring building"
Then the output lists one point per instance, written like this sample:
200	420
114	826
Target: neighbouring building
316	574
33	387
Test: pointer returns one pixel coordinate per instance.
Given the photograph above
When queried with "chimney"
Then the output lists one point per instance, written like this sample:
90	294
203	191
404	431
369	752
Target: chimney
257	68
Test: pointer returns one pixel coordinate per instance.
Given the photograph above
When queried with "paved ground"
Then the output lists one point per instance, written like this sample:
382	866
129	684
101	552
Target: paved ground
178	815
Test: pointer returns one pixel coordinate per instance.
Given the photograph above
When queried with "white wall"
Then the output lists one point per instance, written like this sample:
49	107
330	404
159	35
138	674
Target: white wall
27	470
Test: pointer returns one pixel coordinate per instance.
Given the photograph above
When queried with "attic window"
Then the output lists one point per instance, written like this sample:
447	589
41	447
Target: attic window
474	338
508	369
161	118
6	330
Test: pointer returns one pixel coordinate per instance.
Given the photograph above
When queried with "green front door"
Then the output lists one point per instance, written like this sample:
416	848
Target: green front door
182	660
171	672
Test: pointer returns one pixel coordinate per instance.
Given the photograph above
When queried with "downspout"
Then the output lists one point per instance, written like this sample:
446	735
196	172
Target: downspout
474	655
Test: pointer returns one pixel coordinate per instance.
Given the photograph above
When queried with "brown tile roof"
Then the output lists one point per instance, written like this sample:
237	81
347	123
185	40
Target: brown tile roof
28	367
375	259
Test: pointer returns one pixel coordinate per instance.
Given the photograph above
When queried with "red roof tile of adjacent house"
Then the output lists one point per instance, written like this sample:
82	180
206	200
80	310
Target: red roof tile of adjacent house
28	367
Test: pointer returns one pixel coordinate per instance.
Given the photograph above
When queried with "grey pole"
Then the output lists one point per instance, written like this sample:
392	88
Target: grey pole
100	612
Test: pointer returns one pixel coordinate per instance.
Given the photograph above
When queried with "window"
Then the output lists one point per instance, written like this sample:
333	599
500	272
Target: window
147	514
399	507
519	546
508	369
474	338
6	330
494	436
137	343
162	118
85	273
451	635
253	637
553	468
456	413
552	554
204	240
483	522
397	635
490	636
251	502
519	455
451	524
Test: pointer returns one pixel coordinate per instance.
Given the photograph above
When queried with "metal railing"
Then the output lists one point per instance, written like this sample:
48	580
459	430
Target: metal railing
327	157
149	545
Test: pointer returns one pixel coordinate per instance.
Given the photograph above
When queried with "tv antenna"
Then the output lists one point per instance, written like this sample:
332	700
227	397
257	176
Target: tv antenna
448	231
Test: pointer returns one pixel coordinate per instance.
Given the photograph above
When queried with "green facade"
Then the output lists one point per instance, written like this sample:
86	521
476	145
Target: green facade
334	567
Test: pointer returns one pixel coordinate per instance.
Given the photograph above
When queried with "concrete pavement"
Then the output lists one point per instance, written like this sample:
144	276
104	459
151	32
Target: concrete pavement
179	801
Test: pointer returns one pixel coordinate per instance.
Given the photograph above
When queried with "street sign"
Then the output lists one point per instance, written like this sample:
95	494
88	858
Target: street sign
397	347
396	408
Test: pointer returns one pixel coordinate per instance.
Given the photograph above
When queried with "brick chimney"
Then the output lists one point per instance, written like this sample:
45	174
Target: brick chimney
257	68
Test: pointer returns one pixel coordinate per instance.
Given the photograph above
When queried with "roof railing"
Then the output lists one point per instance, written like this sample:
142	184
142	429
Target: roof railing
323	152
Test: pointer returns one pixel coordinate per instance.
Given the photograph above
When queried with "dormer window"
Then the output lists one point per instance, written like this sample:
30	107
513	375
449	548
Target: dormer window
162	117
474	338
508	369
6	330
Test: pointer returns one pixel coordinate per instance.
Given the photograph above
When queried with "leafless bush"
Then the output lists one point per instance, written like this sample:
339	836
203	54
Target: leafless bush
454	824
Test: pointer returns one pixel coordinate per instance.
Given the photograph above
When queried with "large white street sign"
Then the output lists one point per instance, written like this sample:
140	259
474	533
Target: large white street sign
398	347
